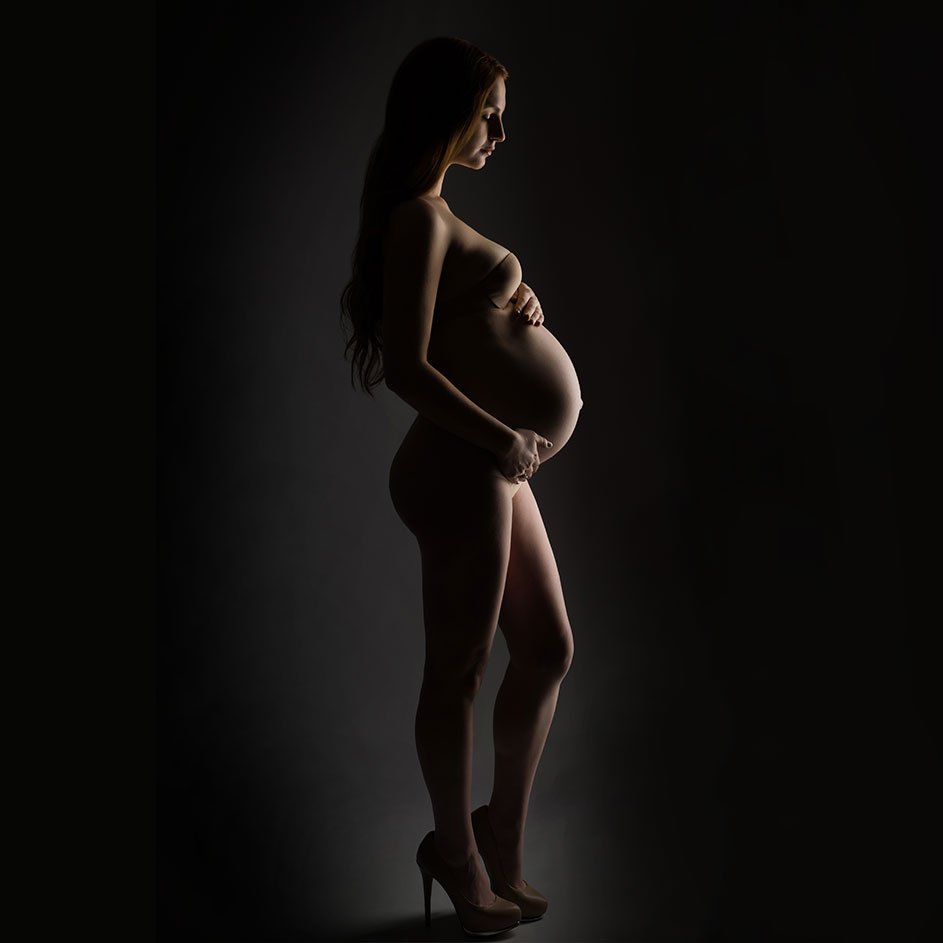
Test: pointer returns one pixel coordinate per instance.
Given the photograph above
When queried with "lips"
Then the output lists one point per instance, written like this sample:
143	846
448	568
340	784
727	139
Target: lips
487	150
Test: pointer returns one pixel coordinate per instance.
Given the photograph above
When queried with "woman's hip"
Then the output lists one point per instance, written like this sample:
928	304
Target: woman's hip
435	473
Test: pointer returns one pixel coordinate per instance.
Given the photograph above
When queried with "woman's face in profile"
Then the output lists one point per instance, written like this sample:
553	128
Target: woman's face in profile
489	132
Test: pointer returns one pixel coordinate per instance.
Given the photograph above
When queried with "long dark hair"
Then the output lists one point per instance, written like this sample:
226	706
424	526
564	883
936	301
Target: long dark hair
432	109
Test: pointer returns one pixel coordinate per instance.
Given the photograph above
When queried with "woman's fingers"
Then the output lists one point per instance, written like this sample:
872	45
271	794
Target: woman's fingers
531	313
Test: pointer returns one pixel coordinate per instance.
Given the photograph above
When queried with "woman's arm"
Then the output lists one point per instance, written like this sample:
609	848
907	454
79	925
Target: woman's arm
415	247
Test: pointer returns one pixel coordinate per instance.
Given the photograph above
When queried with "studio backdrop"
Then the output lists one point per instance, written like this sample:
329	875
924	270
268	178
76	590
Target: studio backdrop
724	209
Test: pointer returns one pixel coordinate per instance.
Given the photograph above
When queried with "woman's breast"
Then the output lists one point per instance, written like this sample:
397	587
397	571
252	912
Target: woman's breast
519	373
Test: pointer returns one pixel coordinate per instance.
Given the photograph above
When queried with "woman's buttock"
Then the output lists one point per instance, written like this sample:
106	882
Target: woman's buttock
440	482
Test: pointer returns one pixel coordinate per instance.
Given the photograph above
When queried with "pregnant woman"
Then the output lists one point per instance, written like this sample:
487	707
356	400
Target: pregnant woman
441	314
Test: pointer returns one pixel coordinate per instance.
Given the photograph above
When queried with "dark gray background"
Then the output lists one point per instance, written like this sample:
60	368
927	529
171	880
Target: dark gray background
724	210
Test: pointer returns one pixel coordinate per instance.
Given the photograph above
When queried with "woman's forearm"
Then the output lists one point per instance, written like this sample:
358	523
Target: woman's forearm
433	395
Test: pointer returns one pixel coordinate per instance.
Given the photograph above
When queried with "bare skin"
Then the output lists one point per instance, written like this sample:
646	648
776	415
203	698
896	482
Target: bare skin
486	561
460	483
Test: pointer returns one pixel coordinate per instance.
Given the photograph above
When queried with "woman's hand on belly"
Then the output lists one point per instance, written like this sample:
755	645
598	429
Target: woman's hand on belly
521	460
526	305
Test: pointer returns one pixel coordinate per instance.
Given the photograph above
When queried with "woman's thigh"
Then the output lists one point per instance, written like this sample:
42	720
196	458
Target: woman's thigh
458	505
533	615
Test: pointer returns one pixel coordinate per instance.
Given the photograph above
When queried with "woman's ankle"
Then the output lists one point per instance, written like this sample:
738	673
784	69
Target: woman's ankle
508	828
457	855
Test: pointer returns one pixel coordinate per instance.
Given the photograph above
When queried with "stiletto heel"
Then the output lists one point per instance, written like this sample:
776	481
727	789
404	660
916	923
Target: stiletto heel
474	919
427	894
532	903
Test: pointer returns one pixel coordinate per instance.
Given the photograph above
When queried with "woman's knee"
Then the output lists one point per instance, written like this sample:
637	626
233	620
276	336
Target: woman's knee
549	654
456	676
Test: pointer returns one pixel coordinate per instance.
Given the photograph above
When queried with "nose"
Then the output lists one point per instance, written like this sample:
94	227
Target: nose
496	129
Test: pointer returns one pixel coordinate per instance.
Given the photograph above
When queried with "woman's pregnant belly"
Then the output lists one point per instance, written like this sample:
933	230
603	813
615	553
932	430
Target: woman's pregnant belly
519	373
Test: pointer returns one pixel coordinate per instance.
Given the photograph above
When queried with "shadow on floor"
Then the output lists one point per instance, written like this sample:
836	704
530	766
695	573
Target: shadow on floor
445	928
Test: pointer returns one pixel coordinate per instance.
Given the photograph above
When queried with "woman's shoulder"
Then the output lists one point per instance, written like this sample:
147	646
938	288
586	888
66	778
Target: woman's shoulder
423	217
417	207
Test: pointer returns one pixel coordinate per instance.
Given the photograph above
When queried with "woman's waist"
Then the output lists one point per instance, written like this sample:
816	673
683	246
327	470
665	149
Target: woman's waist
509	354
494	331
475	312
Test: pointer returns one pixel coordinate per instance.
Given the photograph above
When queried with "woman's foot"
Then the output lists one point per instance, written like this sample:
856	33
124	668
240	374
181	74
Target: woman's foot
470	878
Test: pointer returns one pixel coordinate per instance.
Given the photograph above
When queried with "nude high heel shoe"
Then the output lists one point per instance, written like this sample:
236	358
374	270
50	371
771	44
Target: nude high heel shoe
532	903
475	919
